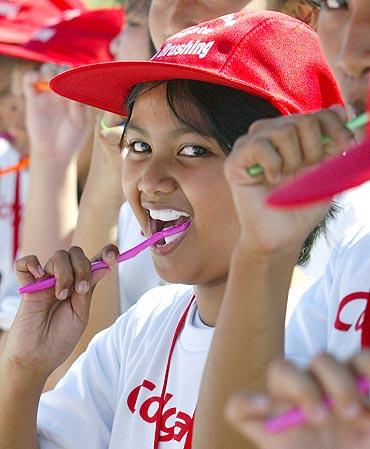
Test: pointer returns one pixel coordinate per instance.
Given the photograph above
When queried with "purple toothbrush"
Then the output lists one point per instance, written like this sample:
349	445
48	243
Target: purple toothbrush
44	284
296	416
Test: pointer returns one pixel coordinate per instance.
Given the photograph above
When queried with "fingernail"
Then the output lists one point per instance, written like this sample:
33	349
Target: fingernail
83	287
40	271
351	412
278	178
320	414
336	107
111	256
259	401
63	294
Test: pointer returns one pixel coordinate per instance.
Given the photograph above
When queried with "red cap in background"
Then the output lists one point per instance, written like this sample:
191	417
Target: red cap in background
20	18
78	38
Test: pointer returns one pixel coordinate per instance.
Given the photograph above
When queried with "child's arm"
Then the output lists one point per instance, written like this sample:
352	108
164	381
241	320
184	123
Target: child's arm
47	327
250	326
58	130
346	426
100	204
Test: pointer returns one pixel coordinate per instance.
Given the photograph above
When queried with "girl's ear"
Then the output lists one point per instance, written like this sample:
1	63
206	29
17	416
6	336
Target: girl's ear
303	10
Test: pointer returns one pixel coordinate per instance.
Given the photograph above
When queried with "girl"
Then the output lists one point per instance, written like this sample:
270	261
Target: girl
137	384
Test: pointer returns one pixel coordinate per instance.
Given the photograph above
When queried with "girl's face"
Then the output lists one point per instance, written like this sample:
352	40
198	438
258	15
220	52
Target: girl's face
344	28
133	41
171	171
167	17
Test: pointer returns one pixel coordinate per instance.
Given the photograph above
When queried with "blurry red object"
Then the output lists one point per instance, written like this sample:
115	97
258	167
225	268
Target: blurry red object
333	176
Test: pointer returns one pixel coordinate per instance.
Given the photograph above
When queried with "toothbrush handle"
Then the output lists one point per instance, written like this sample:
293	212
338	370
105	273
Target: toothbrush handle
49	282
296	416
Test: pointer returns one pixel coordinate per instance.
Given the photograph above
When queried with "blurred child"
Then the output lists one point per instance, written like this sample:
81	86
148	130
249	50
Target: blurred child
53	173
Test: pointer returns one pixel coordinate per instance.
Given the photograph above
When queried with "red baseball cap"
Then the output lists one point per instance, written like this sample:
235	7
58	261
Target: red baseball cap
267	54
79	37
20	18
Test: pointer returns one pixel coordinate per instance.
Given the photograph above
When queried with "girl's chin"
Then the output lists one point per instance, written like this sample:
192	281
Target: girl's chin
168	277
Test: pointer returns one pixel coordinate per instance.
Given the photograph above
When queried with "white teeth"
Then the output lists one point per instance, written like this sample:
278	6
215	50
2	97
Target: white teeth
167	214
172	238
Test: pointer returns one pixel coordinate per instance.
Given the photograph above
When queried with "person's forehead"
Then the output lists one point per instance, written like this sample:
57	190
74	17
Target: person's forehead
137	9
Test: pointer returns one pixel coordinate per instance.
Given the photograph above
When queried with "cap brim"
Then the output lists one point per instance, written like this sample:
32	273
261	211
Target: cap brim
107	85
16	51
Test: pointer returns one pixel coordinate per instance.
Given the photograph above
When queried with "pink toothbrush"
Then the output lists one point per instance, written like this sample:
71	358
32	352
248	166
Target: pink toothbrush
44	284
296	416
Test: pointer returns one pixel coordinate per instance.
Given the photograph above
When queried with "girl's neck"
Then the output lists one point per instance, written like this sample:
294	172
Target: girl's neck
209	299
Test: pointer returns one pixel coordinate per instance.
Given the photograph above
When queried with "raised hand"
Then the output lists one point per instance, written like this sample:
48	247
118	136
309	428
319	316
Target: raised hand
57	127
283	146
49	323
345	426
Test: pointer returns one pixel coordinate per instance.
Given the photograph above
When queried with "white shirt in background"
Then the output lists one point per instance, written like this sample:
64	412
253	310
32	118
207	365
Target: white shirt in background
9	299
329	316
353	210
137	275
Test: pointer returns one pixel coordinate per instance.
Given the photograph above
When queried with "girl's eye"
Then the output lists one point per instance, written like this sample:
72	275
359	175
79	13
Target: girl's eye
194	151
334	4
139	147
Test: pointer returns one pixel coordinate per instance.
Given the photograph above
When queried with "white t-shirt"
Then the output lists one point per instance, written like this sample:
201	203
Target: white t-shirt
330	314
137	275
109	397
9	299
353	210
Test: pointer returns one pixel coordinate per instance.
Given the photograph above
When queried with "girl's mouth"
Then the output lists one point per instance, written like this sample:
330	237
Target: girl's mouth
161	219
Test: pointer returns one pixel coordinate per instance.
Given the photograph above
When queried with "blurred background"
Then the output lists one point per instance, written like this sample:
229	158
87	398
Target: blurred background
102	3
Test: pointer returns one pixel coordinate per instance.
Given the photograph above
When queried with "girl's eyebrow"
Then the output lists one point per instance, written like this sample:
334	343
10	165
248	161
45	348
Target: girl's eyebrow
177	132
132	127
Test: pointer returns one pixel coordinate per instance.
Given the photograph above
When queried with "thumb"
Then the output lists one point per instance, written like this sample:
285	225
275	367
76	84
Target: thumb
30	78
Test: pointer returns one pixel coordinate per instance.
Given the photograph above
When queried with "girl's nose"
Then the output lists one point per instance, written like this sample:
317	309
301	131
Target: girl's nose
156	180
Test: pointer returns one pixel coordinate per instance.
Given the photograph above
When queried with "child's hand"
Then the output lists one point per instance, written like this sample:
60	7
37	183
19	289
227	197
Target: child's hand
57	127
345	426
108	151
283	146
49	323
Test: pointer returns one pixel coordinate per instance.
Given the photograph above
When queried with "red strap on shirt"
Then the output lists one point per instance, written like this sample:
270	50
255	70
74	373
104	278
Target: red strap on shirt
365	337
158	423
16	215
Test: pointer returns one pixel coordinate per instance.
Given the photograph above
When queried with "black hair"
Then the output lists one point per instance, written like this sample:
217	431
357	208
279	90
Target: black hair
225	115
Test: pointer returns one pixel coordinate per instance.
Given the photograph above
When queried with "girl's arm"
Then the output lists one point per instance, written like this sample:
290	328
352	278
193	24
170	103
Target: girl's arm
249	334
47	327
20	394
58	129
250	326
